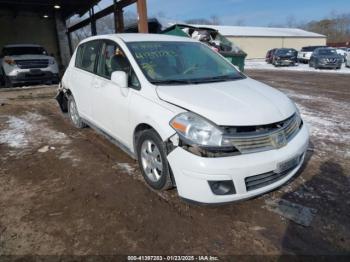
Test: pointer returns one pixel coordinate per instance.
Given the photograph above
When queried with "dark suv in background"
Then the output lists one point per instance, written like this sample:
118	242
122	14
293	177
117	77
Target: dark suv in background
326	58
285	57
269	55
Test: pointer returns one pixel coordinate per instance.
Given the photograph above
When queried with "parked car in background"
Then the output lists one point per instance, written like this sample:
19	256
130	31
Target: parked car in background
305	53
285	57
347	61
342	53
188	116
27	64
347	53
326	58
269	55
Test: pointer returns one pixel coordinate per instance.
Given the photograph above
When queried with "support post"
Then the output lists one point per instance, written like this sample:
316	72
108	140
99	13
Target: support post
118	18
92	21
63	39
142	16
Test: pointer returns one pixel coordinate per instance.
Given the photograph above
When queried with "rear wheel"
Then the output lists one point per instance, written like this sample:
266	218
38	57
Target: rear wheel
151	153
74	114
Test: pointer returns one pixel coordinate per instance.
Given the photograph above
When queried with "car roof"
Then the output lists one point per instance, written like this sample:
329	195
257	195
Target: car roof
137	37
22	45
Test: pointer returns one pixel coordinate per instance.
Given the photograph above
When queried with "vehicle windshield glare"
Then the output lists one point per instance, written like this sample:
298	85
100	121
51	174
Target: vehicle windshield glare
327	51
24	50
286	52
165	62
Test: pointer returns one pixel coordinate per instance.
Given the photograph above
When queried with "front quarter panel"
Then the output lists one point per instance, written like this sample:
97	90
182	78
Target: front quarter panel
153	112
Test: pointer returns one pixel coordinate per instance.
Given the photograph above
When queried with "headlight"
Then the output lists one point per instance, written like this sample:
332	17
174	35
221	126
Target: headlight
9	61
52	61
196	130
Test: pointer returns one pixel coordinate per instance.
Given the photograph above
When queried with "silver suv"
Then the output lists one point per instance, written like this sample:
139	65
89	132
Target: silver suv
27	64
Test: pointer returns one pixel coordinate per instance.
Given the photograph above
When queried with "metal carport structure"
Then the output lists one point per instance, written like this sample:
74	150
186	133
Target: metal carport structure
44	22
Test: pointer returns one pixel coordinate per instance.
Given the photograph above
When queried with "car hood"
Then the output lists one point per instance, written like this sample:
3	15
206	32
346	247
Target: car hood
29	57
235	103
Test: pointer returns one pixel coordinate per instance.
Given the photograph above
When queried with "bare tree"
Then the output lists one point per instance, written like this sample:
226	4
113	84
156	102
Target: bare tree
239	22
291	21
215	20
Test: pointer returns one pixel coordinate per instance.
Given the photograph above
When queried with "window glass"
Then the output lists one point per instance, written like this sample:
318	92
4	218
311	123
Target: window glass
113	59
170	62
89	55
79	56
24	50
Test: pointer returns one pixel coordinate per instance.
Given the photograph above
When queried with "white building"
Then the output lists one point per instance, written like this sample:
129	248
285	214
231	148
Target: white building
256	41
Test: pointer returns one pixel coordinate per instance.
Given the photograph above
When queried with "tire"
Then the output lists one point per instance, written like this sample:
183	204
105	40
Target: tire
5	81
151	154
74	114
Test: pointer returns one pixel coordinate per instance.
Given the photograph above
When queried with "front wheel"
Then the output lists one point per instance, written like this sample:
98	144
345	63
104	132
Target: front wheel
151	153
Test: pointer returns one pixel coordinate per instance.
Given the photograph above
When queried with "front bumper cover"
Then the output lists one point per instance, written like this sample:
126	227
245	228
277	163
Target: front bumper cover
192	172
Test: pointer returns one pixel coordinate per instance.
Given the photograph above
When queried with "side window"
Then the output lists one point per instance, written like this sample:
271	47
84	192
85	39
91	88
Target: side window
86	57
113	59
79	56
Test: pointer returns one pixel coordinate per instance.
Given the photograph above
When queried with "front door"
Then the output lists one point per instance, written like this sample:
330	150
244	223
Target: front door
111	102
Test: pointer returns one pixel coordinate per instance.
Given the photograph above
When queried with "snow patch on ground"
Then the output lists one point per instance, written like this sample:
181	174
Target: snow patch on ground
260	64
126	168
329	127
20	133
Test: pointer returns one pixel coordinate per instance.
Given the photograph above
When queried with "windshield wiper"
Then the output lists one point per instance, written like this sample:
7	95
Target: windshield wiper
171	81
217	79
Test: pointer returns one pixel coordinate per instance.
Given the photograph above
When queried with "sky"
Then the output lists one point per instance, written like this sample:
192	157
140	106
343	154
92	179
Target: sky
244	12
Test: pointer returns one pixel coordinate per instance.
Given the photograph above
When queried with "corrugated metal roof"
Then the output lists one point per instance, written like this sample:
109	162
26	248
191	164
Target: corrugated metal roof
261	31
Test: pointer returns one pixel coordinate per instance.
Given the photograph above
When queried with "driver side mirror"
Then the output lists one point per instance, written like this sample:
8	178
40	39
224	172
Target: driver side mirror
120	78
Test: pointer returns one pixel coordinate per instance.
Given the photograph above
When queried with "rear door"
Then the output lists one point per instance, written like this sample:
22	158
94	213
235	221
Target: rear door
82	76
111	103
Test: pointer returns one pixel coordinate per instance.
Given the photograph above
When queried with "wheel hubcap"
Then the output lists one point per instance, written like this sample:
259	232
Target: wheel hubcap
151	160
74	113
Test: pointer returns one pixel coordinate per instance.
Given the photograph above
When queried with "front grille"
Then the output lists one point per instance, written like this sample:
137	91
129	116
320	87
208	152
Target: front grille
263	138
331	60
32	64
262	180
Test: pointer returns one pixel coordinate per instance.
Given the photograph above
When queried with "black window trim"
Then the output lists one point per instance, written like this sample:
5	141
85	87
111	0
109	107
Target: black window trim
97	55
103	43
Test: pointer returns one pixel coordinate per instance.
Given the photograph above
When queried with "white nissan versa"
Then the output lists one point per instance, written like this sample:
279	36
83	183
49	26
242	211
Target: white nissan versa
189	117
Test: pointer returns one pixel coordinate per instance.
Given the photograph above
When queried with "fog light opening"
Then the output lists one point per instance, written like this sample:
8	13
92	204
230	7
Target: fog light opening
225	187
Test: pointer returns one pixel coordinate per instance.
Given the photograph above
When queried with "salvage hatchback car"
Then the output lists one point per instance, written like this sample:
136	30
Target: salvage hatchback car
189	117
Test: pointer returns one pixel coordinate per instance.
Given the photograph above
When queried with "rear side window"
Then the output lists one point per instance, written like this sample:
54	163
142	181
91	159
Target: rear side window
87	54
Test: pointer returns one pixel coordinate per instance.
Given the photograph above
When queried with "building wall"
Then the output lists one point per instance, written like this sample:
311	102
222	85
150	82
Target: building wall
256	47
28	28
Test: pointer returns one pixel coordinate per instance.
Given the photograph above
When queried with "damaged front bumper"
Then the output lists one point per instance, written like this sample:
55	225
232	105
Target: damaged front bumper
199	179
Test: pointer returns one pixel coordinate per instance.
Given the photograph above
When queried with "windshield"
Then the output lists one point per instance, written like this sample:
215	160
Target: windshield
181	63
309	48
286	52
24	50
327	52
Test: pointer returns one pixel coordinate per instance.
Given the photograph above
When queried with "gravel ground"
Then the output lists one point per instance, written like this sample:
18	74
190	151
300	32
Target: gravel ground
71	192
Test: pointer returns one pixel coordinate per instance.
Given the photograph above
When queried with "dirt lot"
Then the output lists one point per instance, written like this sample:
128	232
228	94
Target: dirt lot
67	191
